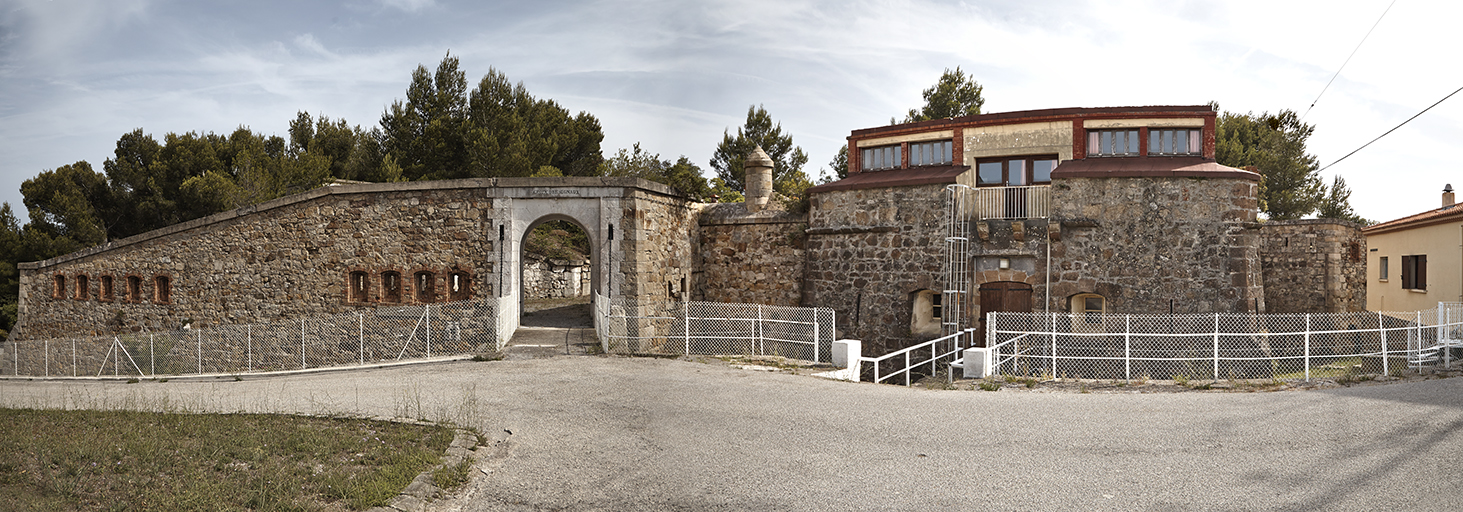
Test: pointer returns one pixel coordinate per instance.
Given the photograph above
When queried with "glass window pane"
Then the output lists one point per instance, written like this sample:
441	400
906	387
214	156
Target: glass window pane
1181	141
867	161
1105	147
949	147
1041	170
1132	142
1154	147
1196	145
989	172
1093	148
894	160
918	153
1016	173
1094	304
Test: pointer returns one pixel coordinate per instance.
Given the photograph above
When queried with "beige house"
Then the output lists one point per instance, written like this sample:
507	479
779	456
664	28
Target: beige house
1415	262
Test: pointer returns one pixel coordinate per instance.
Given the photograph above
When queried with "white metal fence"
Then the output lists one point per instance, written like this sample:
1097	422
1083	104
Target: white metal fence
628	326
925	359
1223	346
370	336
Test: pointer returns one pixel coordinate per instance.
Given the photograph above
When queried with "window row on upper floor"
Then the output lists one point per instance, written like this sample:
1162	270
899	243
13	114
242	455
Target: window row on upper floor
392	287
937	152
1161	142
79	287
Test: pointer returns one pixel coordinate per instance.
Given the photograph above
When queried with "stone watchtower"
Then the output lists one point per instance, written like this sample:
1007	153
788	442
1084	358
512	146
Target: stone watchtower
758	180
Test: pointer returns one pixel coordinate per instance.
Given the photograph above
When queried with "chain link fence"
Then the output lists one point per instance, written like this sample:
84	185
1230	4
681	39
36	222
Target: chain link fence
627	326
363	337
1223	346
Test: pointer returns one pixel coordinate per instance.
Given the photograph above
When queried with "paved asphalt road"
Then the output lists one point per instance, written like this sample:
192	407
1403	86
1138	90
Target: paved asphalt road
609	433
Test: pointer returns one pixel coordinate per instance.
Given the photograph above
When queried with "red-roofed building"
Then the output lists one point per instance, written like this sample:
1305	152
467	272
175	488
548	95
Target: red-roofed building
1088	210
1415	262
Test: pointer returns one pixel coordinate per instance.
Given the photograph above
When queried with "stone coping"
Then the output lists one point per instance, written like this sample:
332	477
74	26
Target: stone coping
736	213
488	184
1311	222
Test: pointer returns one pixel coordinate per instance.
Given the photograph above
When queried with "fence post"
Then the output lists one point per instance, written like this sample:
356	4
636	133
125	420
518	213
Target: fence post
46	349
151	353
73	358
757	328
1447	320
1216	346
1051	333
1383	331
361	335
817	340
1308	347
686	326
1128	347
1417	328
429	330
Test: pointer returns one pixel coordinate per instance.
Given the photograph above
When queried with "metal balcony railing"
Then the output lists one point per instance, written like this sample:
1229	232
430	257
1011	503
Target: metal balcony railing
1014	203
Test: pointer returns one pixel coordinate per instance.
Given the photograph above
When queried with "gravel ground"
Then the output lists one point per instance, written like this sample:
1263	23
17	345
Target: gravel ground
615	433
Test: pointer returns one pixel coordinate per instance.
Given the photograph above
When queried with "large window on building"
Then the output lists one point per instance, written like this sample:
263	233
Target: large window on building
1015	171
930	153
880	158
1166	141
1414	272
1112	143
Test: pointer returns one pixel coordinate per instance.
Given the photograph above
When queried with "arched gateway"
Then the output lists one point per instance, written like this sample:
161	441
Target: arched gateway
347	247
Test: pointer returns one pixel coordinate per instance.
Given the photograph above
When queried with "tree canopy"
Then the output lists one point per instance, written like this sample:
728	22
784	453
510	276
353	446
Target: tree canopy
1276	145
759	130
681	175
954	95
1337	204
443	131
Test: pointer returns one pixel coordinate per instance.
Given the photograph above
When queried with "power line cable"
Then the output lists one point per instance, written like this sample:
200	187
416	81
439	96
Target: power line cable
1379	137
1348	60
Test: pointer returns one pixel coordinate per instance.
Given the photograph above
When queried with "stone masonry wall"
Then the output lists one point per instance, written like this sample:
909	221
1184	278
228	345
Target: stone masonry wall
659	232
1144	242
753	258
282	259
555	278
868	251
1313	266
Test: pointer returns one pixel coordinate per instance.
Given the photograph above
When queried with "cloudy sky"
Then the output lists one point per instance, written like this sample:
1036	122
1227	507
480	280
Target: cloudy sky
77	74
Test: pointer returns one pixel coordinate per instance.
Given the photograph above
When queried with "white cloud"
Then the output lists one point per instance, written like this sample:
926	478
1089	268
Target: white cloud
409	5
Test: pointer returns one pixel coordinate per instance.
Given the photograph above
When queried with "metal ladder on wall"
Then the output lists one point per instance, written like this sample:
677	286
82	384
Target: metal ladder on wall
955	296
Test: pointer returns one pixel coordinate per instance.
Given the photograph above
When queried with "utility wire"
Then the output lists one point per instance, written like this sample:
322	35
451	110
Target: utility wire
1348	60
1379	137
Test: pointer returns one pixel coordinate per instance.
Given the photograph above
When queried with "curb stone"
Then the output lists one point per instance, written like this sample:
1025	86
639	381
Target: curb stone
421	490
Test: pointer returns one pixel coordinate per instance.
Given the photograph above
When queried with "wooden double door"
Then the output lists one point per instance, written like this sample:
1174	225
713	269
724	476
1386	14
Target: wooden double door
1001	296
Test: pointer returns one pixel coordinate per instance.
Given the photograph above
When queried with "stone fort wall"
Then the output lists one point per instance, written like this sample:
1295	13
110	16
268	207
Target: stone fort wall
753	258
1313	266
287	258
1151	245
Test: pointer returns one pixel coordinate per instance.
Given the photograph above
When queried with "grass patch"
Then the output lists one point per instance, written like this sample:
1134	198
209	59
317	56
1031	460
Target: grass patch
124	460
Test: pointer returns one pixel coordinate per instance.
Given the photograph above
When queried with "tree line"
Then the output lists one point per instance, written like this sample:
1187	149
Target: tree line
443	130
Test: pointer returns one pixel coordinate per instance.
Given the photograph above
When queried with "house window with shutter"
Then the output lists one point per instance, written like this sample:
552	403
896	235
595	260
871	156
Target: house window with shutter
1414	272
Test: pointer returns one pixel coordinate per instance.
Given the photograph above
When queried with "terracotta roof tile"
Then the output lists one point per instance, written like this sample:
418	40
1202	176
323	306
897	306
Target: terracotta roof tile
895	178
1429	217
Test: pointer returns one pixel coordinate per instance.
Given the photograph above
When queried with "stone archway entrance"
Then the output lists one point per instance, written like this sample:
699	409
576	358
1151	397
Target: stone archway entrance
639	233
